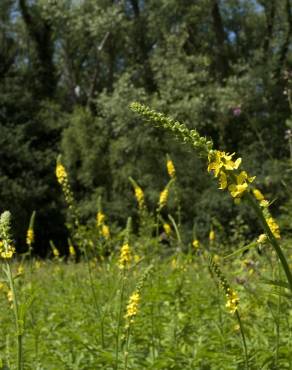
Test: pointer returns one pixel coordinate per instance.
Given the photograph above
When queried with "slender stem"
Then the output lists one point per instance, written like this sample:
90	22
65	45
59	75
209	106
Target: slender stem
120	318
243	339
127	348
271	237
16	316
94	296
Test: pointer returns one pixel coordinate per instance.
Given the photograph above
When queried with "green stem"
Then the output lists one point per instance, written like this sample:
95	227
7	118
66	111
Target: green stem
271	237
243	339
16	316
94	296
120	318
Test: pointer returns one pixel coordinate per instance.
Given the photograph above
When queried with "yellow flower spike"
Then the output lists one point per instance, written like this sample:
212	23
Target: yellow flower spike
139	194
132	307
72	250
100	217
125	256
232	301
170	168
61	173
29	236
167	228
220	160
105	231
274	227
56	253
212	235
196	244
163	198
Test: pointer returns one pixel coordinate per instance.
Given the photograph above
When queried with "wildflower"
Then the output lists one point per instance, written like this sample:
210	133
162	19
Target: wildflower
163	198
100	218
105	231
132	307
232	300
170	168
167	228
236	111
56	253
72	250
274	227
29	236
7	252
222	161
262	239
196	244
212	235
61	173
139	194
125	256
10	296
237	190
137	258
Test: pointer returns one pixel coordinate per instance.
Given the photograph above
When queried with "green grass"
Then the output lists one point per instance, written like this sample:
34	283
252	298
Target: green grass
182	322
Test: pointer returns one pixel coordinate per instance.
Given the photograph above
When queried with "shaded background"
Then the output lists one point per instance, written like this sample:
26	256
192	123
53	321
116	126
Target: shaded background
69	69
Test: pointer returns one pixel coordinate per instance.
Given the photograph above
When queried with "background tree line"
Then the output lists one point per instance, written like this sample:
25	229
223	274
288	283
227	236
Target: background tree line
69	69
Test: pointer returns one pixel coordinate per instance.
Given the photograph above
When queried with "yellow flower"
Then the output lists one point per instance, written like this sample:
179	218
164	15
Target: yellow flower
163	198
105	231
125	256
72	250
258	195
262	239
274	227
170	168
237	190
99	219
132	307
232	300
29	236
196	244
20	270
212	235
56	253
167	228
220	160
7	253
61	173
9	296
139	194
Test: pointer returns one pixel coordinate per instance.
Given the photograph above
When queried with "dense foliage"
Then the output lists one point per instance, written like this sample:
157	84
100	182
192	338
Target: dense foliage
69	69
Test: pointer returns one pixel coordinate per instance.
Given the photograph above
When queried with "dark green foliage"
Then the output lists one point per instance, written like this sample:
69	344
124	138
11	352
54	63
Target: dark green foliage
69	70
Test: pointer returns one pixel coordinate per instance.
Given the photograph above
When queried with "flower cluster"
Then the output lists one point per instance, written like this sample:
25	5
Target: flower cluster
62	178
139	194
103	228
264	204
223	165
6	248
167	228
132	307
163	198
125	256
196	244
29	236
170	168
6	251
231	296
